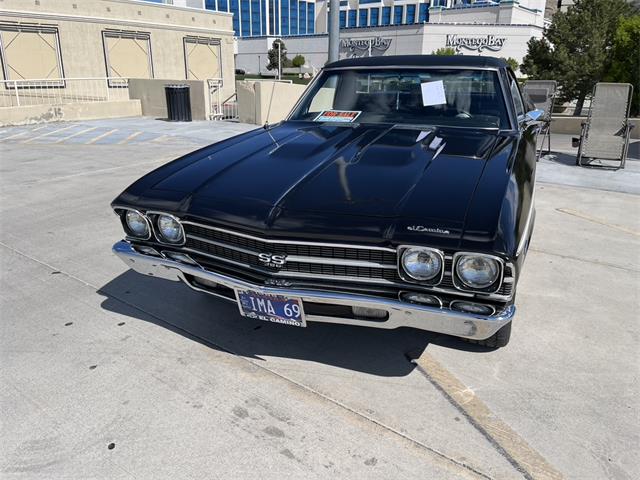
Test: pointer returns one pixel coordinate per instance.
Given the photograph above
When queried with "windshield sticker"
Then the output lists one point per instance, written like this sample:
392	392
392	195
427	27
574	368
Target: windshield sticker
342	116
433	93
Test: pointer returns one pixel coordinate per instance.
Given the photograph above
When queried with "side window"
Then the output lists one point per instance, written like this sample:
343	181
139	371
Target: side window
515	94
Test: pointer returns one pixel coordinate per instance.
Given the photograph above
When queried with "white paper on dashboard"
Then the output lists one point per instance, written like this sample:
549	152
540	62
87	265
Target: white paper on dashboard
433	93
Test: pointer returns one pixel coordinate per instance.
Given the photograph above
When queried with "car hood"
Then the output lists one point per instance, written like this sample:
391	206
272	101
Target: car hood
300	175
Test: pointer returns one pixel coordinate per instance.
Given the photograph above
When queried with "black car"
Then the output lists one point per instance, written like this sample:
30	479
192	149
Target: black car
398	192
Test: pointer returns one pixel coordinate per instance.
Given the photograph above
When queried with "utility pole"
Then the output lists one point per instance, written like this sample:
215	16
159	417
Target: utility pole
279	60
334	30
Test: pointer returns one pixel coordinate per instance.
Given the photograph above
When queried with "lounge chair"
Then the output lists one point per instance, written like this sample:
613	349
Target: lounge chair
543	95
605	134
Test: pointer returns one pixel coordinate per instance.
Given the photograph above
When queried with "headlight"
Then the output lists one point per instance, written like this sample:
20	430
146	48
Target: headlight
136	224
477	271
421	264
169	229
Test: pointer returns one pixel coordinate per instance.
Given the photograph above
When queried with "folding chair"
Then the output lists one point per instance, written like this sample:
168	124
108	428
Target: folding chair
605	134
543	95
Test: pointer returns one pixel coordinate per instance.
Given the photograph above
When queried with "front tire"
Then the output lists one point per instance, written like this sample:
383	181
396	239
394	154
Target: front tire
497	340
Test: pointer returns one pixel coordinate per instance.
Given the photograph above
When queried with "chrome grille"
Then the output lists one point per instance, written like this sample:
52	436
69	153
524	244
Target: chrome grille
384	256
308	260
303	259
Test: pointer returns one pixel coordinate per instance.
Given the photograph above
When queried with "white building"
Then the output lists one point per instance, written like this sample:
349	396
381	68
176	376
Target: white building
481	28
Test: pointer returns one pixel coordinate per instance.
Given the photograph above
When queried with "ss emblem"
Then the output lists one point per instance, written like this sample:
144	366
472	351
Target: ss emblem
271	260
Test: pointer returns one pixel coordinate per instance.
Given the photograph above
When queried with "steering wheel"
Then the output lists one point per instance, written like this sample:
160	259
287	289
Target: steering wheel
463	114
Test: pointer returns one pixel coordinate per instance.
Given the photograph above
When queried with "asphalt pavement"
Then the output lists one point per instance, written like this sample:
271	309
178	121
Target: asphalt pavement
109	374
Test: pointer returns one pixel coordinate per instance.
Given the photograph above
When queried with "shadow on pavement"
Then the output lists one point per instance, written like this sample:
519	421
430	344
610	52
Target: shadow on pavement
217	324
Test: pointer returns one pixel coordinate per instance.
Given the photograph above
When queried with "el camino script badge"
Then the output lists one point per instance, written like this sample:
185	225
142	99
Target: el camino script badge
420	228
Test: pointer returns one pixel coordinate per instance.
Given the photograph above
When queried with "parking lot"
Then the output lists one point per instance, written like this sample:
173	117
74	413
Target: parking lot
109	374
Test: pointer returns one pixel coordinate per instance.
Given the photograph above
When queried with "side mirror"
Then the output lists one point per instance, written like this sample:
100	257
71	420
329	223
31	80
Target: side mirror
533	115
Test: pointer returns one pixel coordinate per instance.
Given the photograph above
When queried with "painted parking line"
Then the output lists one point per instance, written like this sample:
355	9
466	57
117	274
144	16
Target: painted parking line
161	138
101	136
514	448
599	221
129	138
81	132
116	137
16	135
12	132
49	133
144	137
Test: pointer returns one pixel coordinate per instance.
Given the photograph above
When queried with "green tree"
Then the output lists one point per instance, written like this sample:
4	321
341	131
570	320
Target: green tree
512	62
445	51
576	48
298	61
625	58
272	55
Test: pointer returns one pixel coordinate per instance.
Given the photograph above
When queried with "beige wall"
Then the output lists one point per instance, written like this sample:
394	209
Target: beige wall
259	102
68	112
153	98
81	22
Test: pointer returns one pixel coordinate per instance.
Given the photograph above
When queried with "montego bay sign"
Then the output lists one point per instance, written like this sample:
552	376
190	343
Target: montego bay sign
487	42
357	47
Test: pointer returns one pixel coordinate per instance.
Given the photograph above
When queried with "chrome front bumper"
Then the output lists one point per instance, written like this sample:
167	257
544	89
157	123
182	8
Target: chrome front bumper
401	314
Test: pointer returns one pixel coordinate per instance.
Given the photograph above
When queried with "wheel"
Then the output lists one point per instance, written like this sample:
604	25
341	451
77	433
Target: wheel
497	340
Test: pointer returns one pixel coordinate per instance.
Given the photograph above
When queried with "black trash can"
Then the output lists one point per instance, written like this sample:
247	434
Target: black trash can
178	103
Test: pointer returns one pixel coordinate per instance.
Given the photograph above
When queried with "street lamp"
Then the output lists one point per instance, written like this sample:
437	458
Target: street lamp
279	61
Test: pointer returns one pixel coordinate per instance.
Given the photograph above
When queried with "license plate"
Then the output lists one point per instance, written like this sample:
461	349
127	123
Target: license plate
271	308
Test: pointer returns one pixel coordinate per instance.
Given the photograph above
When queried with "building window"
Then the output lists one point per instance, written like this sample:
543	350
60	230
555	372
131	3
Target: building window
293	17
235	9
374	17
31	52
361	2
284	16
397	14
386	15
255	18
311	18
343	19
202	58
352	18
263	16
127	54
210	5
274	14
245	18
411	14
363	14
423	13
302	15
223	5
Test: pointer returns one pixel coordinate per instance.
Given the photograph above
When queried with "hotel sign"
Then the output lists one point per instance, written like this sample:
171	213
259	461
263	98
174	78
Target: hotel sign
487	42
359	47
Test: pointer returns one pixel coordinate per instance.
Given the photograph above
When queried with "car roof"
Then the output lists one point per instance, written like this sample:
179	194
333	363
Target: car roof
471	61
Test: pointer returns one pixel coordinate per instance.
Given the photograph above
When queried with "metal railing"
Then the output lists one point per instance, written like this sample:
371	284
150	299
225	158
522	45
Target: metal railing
58	91
214	86
221	109
230	108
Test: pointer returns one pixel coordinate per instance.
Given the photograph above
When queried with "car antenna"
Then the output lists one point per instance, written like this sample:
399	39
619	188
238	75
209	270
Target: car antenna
266	123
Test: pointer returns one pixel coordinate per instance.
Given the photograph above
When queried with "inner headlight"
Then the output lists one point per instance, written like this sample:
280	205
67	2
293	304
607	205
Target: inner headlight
170	229
136	224
421	264
477	271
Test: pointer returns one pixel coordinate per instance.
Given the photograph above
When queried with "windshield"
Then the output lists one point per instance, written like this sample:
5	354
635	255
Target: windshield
434	96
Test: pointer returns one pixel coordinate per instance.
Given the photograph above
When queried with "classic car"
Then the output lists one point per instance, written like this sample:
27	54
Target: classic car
397	193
